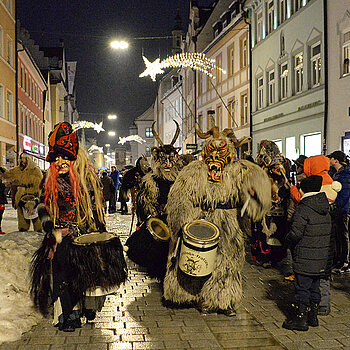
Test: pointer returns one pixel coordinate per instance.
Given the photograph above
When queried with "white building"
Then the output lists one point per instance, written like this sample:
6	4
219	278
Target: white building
223	101
288	74
338	123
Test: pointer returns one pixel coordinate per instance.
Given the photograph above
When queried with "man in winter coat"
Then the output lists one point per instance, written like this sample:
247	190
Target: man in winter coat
113	202
338	161
108	191
310	242
27	177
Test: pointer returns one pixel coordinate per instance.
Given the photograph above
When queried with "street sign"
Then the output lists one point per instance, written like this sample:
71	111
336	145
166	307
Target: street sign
191	146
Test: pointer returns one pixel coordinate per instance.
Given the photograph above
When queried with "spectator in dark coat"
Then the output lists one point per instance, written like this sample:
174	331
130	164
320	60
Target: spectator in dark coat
3	201
310	242
339	162
108	189
113	202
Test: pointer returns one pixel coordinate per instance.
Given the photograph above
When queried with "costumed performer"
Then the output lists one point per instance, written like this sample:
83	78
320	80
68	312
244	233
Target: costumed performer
220	190
26	179
71	206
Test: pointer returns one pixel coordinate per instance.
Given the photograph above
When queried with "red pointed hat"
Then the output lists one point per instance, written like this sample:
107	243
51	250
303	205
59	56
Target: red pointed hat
63	141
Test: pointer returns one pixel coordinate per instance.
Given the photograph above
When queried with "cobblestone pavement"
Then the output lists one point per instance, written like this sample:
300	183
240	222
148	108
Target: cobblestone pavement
135	319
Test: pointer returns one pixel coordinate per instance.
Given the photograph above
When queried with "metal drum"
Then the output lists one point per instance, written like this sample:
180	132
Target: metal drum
30	209
198	248
93	238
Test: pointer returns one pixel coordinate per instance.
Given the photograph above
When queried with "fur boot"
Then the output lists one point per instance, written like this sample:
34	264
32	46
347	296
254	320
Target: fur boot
312	319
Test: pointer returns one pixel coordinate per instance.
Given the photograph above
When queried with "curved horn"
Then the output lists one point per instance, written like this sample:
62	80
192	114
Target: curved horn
242	141
156	136
214	131
230	134
177	132
201	134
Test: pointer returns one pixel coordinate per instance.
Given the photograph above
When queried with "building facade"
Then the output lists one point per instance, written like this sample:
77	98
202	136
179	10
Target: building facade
8	137
31	98
224	101
288	74
338	123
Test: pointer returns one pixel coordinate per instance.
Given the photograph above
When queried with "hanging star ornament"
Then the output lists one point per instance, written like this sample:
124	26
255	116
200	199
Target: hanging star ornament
193	60
83	124
152	69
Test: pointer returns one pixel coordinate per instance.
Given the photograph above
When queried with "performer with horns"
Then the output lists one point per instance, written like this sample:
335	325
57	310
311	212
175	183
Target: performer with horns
205	205
150	249
71	207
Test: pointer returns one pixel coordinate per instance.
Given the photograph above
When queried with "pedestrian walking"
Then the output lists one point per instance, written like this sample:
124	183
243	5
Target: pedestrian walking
108	191
115	177
339	162
310	242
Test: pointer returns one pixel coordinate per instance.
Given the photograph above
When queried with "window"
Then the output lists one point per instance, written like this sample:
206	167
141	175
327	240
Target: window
270	16
311	144
218	71
9	106
244	109
230	60
290	148
282	11
148	132
346	53
316	64
259	18
279	144
1	101
210	119
25	81
271	87
219	116
200	121
260	84
9	51
284	80
297	4
244	52
200	82
1	41
298	62
231	116
9	5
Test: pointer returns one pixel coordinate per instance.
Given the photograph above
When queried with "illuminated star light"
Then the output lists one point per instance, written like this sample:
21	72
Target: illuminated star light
152	69
83	124
130	138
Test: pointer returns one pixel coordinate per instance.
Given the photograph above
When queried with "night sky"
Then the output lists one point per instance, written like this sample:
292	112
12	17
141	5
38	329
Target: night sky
107	81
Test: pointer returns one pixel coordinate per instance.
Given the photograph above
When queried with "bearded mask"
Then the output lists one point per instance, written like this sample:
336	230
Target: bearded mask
164	157
219	151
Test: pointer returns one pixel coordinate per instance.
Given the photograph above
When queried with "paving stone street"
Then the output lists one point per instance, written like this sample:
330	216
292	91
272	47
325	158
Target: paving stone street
134	318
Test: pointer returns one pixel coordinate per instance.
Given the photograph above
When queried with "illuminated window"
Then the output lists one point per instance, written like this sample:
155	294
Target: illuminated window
148	132
244	52
297	4
316	64
311	144
279	144
290	148
271	88
244	109
259	20
298	68
9	106
346	53
260	84
230	59
218	71
284	80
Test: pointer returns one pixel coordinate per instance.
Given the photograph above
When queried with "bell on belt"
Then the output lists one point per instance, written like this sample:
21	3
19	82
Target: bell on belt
198	248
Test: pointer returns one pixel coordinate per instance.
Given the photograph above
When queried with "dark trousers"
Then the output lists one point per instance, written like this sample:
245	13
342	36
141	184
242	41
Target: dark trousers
307	289
342	239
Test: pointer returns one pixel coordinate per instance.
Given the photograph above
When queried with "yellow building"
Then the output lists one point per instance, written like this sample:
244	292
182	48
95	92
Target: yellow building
7	84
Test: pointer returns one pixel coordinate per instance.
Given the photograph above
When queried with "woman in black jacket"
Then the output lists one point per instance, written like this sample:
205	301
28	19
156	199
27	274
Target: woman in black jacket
3	201
310	242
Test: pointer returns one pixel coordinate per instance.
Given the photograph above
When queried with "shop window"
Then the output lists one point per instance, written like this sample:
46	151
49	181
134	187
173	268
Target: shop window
279	144
290	148
311	144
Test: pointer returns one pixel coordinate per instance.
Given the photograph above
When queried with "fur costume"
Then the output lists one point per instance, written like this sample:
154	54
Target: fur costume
72	206
215	189
151	201
27	179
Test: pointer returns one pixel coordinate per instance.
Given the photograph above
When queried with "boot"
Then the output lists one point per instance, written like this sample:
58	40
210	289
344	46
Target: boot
312	319
299	321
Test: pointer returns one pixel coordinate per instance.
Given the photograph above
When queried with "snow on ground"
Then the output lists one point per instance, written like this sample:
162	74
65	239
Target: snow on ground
17	314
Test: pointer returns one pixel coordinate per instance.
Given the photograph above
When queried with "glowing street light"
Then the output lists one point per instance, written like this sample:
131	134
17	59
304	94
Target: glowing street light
112	116
107	145
119	45
111	133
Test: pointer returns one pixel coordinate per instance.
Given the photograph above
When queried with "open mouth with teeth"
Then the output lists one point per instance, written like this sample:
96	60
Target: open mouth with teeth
215	171
62	169
167	167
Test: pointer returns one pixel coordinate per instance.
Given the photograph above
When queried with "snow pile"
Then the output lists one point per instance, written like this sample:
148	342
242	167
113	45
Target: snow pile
17	314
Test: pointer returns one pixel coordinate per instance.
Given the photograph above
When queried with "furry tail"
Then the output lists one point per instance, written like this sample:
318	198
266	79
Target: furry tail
40	274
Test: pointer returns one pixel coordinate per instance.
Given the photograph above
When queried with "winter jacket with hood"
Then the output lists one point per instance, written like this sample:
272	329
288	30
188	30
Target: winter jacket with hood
343	198
310	236
316	165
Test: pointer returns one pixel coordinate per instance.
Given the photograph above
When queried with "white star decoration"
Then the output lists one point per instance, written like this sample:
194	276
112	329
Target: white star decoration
99	128
83	124
152	69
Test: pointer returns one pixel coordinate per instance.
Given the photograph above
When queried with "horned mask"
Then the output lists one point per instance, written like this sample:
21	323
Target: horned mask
164	156
219	150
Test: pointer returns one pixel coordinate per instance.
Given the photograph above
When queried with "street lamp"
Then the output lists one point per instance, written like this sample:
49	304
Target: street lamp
111	133
119	45
112	116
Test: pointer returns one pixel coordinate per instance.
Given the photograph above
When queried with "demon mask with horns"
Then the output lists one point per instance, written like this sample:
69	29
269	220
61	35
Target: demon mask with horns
164	157
219	150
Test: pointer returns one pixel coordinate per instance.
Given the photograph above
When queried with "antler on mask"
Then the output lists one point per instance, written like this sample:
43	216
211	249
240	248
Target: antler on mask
176	133
156	136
